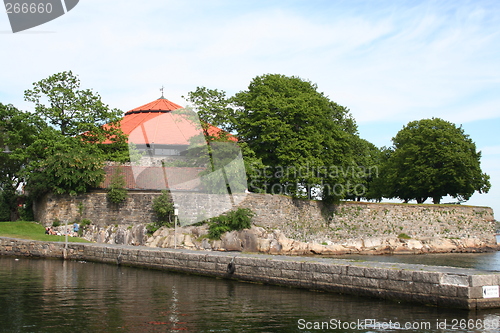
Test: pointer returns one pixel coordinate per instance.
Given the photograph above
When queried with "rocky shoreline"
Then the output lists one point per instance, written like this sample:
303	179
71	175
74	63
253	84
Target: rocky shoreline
260	240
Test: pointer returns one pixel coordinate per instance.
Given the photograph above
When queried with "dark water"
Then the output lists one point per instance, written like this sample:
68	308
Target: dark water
59	296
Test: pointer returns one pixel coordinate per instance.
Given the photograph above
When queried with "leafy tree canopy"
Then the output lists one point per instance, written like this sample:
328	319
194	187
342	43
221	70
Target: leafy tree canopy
289	132
433	158
63	165
58	148
293	127
213	107
18	130
60	101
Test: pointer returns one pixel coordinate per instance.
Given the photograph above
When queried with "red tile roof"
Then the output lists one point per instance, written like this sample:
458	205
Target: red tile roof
155	122
161	104
158	128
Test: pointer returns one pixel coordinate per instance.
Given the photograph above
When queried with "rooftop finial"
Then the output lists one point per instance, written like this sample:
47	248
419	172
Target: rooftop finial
162	97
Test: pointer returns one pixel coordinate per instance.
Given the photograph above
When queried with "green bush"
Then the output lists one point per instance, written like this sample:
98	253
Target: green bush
8	203
234	220
164	209
152	227
83	223
4	209
117	193
26	211
404	236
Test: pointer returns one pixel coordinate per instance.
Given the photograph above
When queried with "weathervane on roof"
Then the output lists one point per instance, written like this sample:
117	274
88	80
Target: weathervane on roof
162	92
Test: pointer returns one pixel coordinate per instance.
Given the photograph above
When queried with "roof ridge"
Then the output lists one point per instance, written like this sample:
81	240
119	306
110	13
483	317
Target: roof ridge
160	104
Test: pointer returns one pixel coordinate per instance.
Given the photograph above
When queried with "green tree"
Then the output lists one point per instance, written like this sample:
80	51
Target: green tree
61	103
213	107
63	165
432	158
18	130
299	134
365	170
378	184
294	139
68	155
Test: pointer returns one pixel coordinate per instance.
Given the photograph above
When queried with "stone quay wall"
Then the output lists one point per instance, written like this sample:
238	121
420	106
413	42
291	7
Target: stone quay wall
431	285
301	220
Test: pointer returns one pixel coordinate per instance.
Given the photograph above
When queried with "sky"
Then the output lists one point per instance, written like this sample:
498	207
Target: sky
389	62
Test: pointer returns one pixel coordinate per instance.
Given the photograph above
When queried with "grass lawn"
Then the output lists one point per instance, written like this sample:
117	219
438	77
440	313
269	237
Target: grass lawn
33	231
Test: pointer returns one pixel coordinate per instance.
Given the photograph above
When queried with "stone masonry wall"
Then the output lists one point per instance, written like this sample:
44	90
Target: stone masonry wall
307	220
95	207
303	220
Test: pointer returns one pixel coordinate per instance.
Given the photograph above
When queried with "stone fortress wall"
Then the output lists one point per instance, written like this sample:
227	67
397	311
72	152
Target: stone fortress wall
303	220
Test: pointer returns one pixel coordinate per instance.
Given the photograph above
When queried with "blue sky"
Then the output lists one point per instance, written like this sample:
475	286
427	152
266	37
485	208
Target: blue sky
389	62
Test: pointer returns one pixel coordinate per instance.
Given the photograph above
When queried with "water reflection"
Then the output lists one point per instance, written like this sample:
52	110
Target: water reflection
58	296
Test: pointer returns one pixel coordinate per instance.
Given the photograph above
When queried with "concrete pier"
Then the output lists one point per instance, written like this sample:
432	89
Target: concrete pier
432	285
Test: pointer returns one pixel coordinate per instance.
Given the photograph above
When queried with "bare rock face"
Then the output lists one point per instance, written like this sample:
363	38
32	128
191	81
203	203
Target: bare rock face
372	242
260	240
188	242
121	234
440	245
231	241
249	240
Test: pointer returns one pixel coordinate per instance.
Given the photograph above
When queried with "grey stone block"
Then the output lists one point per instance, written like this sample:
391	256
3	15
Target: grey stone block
425	288
341	279
365	282
289	265
427	277
400	275
463	292
476	292
305	276
289	274
483	280
390	285
252	262
376	273
454	280
355	271
322	277
317	267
